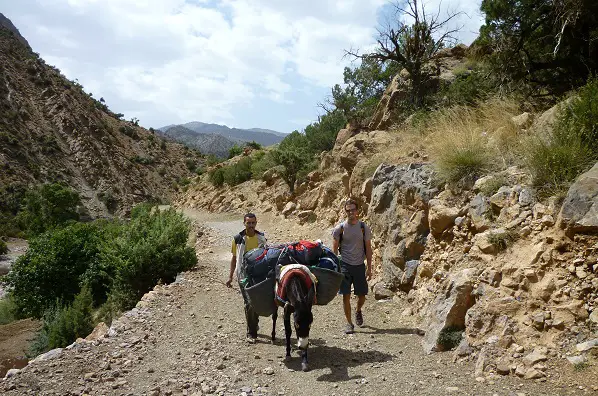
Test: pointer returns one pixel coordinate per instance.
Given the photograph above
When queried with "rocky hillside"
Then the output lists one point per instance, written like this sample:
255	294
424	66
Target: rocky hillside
517	273
51	130
206	143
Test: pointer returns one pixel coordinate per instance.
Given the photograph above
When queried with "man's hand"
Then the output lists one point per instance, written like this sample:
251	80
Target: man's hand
368	274
229	282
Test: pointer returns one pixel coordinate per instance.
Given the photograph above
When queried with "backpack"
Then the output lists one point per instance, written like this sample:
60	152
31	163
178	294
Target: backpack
340	239
303	252
259	263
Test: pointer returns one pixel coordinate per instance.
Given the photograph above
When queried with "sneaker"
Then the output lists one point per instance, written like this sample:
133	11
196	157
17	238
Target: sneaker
359	318
349	329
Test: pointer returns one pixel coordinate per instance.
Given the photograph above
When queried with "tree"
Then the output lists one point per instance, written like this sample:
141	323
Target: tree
294	156
413	46
364	86
321	135
546	43
234	151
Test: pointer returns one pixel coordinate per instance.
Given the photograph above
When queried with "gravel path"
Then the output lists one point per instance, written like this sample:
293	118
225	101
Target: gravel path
187	338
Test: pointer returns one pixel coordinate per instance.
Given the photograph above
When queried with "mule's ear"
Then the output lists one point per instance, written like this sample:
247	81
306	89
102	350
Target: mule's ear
288	308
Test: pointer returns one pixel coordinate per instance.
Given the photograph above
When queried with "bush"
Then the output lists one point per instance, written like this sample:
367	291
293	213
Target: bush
261	162
238	172
234	151
151	248
54	268
7	310
450	337
216	177
502	240
468	88
463	160
48	206
64	324
191	165
572	146
3	247
254	145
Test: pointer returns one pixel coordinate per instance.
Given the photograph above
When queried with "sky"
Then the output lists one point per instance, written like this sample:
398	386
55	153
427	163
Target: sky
242	63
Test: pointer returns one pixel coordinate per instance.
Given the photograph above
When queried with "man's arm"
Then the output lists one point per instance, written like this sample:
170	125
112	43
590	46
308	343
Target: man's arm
233	266
368	257
335	246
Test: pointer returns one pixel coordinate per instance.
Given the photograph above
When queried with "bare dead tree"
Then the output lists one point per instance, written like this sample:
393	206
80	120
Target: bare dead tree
413	45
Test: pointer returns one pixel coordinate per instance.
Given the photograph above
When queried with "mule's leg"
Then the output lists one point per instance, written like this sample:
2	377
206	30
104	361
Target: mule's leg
274	317
304	365
288	330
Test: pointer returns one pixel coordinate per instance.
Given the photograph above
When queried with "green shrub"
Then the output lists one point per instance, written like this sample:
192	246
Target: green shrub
234	151
572	146
64	324
450	337
254	145
493	185
54	268
216	177
463	162
191	164
48	206
261	162
163	144
468	88
213	160
3	247
7	310
239	172
150	248
502	240
142	160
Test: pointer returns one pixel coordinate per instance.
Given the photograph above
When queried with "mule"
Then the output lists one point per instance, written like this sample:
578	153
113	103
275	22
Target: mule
298	297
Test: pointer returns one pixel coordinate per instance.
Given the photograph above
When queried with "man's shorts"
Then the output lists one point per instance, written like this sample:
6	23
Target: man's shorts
354	275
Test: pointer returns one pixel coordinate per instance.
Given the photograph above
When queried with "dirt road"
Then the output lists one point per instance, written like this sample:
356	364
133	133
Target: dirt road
188	339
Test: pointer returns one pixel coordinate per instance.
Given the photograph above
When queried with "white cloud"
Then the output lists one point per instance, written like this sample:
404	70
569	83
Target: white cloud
167	61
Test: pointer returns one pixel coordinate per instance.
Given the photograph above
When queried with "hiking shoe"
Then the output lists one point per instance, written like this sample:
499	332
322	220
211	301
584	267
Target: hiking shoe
359	318
349	329
251	340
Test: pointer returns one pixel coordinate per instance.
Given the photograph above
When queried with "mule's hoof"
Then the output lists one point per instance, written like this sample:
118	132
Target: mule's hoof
304	367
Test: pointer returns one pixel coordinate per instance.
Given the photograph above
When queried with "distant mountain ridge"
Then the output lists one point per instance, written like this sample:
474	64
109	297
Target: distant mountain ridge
206	143
265	137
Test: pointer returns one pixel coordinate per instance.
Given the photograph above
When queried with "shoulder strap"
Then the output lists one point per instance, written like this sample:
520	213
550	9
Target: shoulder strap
239	238
340	238
363	234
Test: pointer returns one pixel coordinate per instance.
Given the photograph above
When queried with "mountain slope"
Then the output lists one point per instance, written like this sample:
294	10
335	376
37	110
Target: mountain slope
204	142
264	137
51	130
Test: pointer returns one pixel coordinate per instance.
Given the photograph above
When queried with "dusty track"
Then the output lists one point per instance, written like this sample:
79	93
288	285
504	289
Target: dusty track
188	338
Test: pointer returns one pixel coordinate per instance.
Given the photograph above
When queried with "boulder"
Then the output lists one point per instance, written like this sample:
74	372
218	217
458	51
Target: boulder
409	275
479	210
523	120
397	90
449	308
579	213
98	332
306	216
309	199
441	217
366	189
289	208
344	135
381	292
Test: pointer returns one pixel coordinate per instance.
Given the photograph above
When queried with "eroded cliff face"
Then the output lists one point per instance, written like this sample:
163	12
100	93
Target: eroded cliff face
51	130
515	274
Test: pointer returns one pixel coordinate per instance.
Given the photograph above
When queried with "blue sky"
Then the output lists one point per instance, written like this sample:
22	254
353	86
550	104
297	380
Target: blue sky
243	63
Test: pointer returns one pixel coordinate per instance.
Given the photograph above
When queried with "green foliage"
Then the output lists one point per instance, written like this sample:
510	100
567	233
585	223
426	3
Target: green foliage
64	324
493	185
212	160
450	337
234	151
54	267
163	144
572	146
237	173
216	177
293	162
191	164
468	88
502	240
48	206
261	162
3	247
463	162
547	44
254	145
150	249
7	310
321	135
142	160
7	138
363	88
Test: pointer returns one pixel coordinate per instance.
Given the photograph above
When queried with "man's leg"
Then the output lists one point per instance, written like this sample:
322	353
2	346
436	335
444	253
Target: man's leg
345	291
360	284
347	307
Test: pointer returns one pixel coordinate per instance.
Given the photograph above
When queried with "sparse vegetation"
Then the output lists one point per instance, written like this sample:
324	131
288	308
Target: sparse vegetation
3	247
7	310
450	337
570	148
142	160
502	240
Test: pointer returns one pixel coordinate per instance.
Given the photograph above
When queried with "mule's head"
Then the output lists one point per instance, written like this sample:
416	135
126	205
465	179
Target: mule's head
303	318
